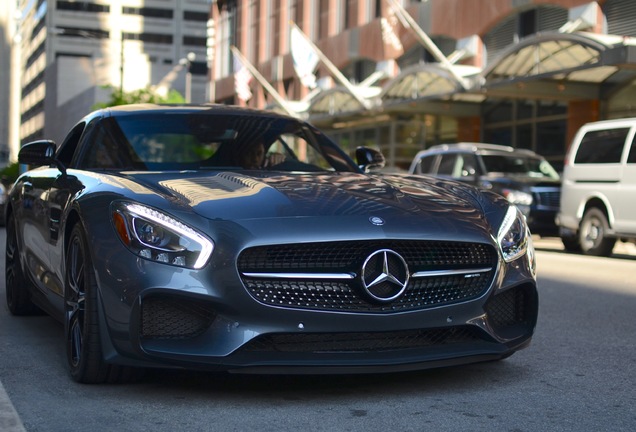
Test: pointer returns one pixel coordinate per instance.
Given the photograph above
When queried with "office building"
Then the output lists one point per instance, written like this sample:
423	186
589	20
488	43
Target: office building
74	54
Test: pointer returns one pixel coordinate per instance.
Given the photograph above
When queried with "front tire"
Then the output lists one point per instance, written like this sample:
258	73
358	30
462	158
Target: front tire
81	323
17	293
593	234
571	243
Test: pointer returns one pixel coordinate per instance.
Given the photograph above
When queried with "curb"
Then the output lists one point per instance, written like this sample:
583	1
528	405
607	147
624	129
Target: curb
9	418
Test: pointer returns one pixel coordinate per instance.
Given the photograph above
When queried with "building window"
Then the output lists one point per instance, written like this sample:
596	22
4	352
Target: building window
274	28
298	12
83	32
359	70
195	16
524	24
148	12
323	19
527	23
227	31
254	36
157	38
195	41
81	6
350	13
39	51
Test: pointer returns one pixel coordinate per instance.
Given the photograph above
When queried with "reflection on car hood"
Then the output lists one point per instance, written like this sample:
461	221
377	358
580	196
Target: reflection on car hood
520	182
239	196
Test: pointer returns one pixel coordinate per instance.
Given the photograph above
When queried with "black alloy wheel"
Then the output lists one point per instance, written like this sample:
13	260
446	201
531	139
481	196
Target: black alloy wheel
81	323
18	297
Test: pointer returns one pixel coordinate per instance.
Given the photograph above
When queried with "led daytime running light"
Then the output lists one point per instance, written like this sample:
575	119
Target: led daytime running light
143	212
515	247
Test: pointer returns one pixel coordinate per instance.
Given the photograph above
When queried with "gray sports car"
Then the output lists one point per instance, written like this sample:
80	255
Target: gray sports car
220	238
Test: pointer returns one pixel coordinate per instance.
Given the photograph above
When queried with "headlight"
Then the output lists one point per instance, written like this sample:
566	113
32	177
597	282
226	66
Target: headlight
155	236
518	197
513	235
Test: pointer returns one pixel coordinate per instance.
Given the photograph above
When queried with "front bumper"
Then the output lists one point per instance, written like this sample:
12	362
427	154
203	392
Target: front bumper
328	344
209	320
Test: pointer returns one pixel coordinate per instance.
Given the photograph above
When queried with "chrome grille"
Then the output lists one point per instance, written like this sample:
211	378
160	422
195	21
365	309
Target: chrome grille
548	197
347	257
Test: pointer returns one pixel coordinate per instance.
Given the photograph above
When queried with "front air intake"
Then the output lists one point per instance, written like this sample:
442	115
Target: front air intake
167	317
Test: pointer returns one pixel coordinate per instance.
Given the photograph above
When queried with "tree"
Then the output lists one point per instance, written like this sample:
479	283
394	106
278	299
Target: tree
144	95
10	173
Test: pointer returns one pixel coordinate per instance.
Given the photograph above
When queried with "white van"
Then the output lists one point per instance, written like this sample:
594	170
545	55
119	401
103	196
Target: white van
598	195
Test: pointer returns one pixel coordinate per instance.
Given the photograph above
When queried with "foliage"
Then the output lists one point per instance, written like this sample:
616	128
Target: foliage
10	173
144	95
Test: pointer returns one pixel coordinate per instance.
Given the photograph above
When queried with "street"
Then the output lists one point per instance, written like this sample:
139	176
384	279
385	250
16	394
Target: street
577	375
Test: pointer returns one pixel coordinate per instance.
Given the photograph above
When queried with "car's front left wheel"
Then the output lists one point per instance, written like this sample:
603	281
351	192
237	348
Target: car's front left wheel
82	327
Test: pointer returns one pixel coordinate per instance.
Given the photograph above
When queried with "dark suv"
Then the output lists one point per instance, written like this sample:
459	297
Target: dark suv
522	176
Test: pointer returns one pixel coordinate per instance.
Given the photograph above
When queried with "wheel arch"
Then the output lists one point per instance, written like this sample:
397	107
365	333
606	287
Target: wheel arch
600	202
72	219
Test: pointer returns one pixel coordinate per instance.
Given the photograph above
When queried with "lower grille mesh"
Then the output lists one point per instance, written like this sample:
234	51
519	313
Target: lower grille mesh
170	318
512	308
364	342
343	296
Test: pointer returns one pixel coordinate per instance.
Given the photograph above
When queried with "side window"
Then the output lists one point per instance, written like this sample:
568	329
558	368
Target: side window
425	165
468	166
101	151
69	145
601	146
447	164
631	158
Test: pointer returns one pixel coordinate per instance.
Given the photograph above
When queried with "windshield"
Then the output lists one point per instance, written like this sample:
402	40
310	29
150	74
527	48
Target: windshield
190	141
522	165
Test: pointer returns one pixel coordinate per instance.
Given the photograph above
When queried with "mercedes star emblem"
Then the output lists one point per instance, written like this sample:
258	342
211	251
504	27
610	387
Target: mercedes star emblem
375	220
385	275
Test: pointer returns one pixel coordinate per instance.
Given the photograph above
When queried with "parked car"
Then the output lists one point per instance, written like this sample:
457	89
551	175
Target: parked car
522	176
155	238
598	201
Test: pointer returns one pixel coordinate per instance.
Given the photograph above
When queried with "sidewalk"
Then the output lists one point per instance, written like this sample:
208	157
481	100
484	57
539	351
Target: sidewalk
9	419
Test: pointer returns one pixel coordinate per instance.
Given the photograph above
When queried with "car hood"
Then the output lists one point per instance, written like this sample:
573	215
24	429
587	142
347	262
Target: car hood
520	182
406	203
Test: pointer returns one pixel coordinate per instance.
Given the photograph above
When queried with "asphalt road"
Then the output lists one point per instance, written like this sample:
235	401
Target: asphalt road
578	375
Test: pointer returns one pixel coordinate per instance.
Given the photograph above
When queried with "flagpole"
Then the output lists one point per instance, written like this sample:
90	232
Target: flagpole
334	70
262	81
409	23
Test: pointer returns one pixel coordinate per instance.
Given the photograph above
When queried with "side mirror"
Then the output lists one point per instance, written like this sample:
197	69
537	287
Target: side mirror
39	153
369	159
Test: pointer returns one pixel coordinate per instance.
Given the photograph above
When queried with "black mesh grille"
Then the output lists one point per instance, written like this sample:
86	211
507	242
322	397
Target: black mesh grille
347	295
511	308
171	318
366	342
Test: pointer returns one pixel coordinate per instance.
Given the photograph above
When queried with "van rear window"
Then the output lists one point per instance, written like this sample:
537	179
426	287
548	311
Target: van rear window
602	146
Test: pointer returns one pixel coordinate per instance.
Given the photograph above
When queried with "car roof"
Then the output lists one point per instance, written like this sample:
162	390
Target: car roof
149	108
